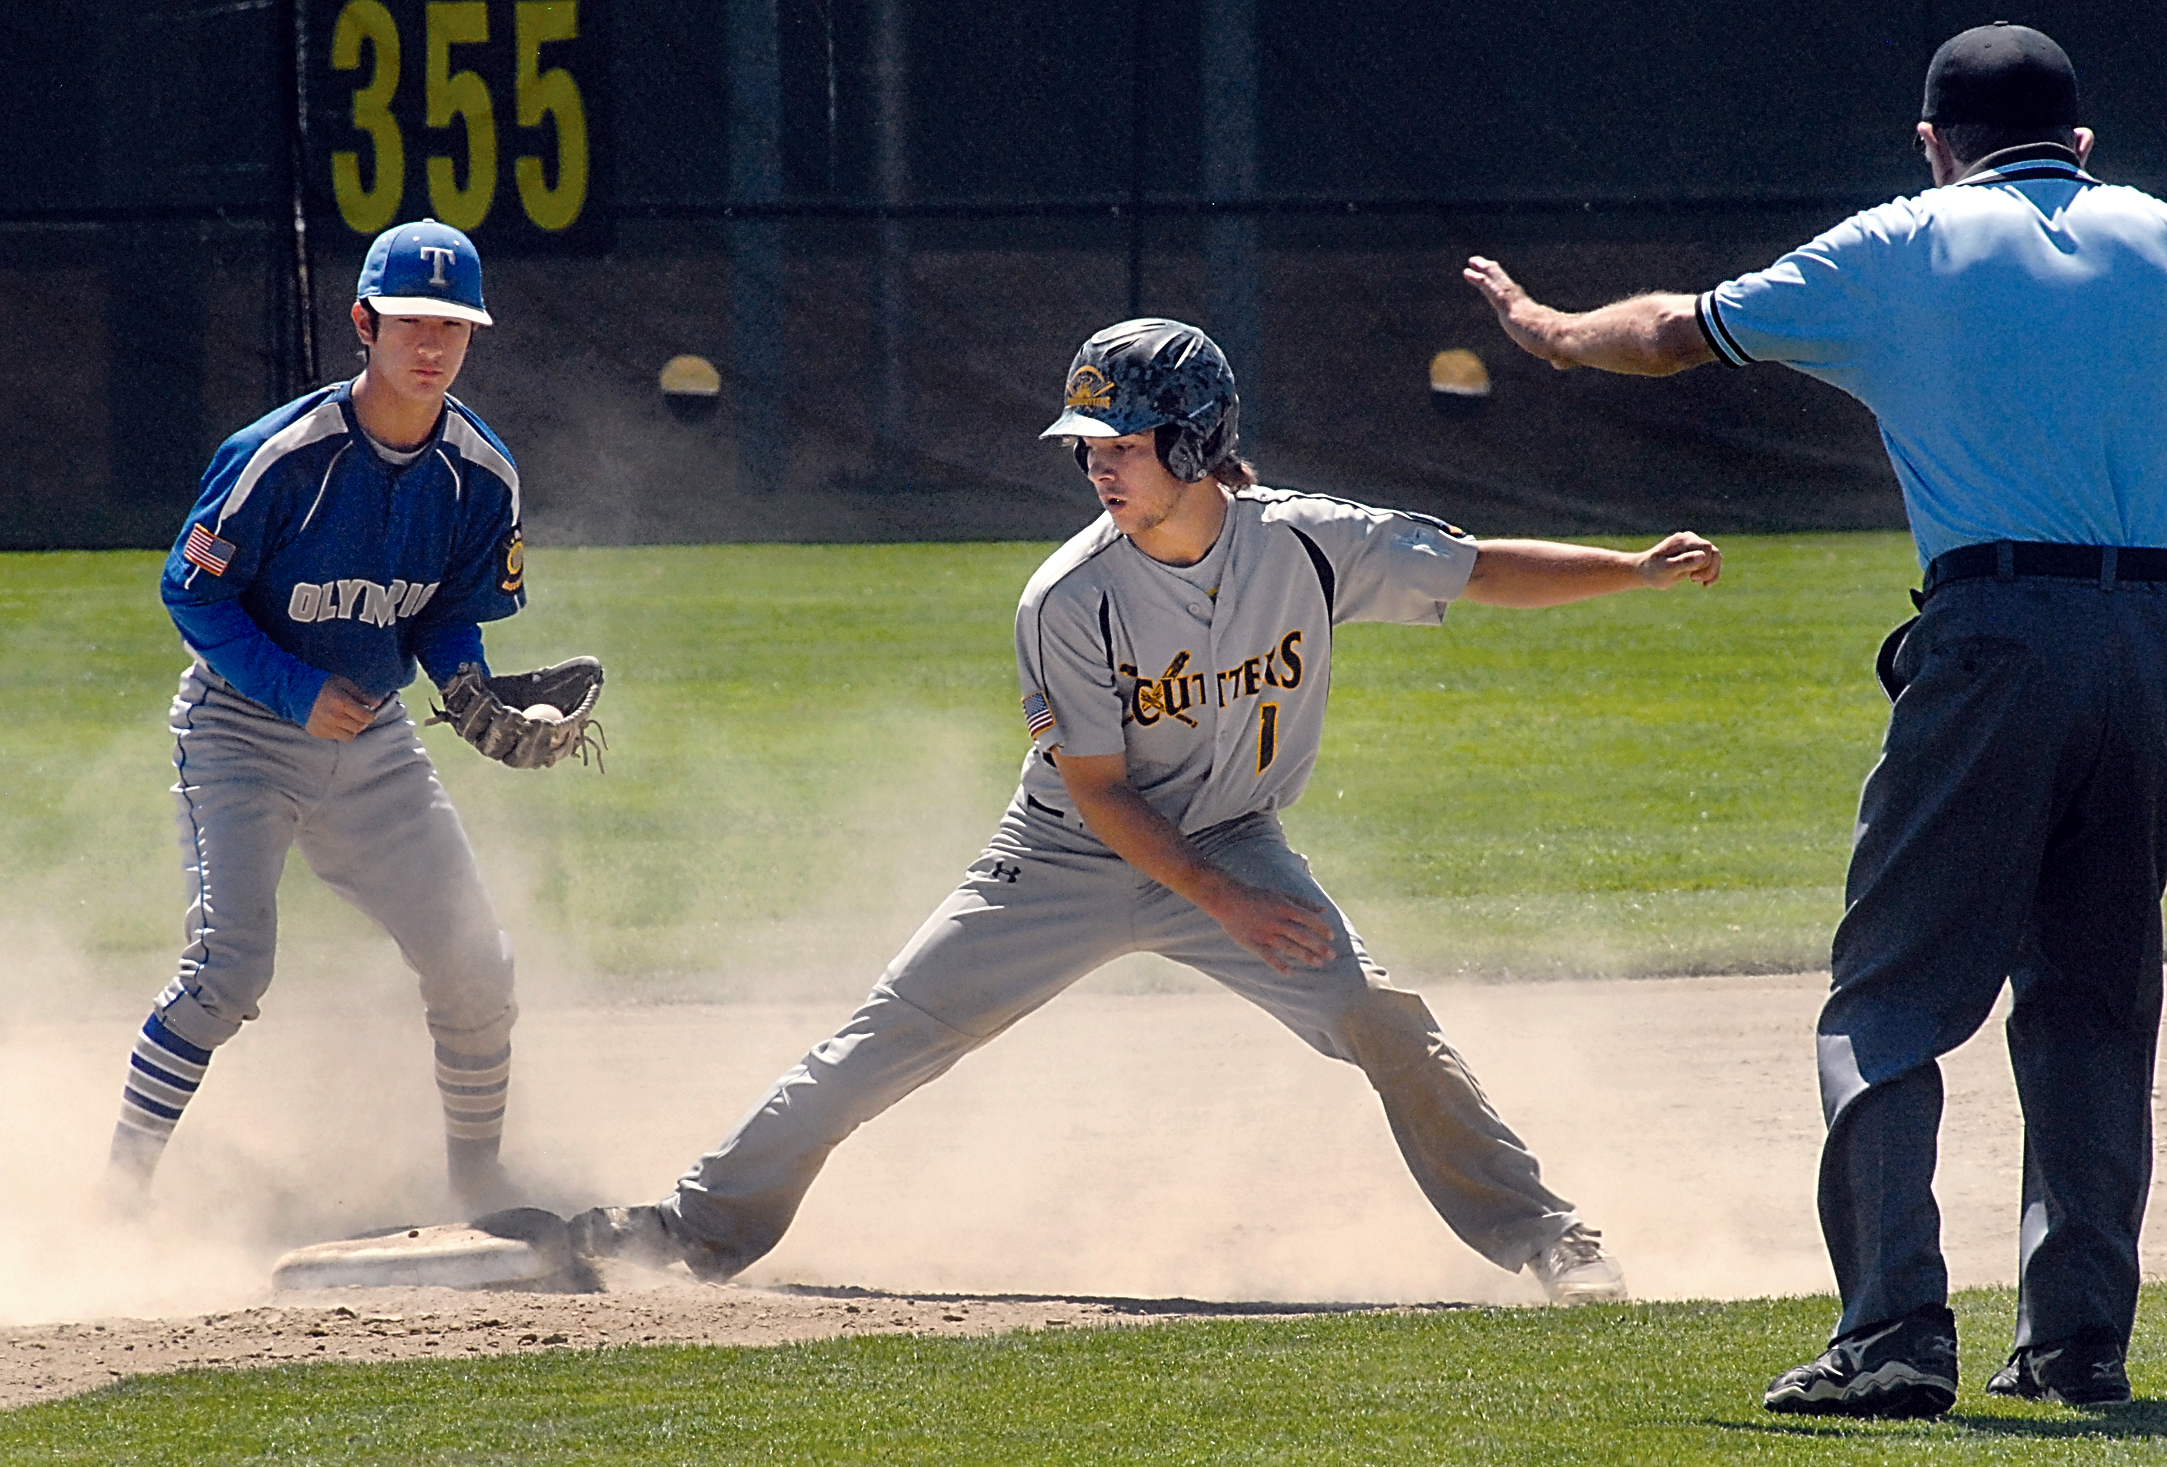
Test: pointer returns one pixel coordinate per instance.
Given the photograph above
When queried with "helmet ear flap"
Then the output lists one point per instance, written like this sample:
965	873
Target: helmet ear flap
1189	450
1213	447
1167	441
1226	436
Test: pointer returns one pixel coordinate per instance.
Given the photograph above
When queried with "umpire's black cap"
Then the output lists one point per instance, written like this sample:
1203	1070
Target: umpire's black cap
2009	75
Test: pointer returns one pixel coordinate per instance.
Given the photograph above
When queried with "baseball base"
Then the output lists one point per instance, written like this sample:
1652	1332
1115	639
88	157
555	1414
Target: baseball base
522	1245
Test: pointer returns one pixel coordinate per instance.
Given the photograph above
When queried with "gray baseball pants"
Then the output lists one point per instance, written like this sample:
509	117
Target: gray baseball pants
2014	828
373	823
1046	904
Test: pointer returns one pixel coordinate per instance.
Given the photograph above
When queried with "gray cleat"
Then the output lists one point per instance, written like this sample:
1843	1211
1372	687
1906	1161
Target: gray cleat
641	1235
1576	1270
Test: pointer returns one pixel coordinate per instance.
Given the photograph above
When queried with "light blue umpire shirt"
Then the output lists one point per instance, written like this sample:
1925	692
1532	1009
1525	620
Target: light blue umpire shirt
2010	333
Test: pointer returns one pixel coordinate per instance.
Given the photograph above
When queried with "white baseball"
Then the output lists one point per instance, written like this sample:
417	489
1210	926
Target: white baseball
543	713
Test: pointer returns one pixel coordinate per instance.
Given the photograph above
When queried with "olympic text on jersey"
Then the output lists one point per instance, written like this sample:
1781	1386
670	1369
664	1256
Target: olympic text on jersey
346	600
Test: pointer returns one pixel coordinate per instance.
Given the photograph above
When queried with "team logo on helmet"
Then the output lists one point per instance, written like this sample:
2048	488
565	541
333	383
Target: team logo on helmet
1088	387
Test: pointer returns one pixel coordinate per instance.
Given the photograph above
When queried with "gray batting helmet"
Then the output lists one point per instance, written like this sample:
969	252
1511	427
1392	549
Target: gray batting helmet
1154	373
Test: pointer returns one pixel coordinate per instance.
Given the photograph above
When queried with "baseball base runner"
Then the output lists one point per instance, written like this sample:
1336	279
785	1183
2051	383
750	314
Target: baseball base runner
1175	659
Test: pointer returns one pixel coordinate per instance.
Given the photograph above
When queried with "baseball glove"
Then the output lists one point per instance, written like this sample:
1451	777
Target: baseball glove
528	720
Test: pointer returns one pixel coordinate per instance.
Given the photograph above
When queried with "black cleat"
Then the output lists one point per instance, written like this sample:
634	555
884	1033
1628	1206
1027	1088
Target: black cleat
641	1235
1901	1367
2083	1370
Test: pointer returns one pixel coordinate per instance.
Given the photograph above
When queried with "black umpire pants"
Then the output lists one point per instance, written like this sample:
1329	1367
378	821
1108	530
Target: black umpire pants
2013	828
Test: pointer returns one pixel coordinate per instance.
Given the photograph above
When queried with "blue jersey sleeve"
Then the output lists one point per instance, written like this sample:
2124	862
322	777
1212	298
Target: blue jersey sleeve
234	647
442	647
486	576
212	564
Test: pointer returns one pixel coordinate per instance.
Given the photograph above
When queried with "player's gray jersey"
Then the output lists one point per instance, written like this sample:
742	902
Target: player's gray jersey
1218	701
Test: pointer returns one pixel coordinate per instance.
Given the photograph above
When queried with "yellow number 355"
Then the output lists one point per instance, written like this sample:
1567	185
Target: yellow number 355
459	96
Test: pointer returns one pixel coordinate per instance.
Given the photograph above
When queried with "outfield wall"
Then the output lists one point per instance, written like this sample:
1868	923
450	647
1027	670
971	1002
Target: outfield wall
888	222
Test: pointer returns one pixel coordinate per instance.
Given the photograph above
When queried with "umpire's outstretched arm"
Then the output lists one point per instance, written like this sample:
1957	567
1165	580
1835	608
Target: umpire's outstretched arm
1644	336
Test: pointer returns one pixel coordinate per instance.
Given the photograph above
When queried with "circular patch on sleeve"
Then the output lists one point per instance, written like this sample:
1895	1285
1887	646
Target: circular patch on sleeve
514	557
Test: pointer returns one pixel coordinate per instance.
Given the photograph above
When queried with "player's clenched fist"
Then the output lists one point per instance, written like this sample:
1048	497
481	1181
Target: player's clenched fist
1683	556
342	710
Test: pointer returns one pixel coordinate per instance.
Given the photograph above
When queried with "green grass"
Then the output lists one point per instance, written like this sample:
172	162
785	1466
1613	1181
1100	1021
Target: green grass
809	742
1675	1383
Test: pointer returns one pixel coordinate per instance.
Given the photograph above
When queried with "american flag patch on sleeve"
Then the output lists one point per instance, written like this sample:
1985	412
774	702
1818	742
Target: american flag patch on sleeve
206	550
1036	715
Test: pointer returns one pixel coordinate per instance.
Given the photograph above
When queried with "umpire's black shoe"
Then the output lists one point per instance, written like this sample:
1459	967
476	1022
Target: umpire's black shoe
2083	1370
641	1235
1900	1367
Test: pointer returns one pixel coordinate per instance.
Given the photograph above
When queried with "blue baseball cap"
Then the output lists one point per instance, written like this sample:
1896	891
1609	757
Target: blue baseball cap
423	269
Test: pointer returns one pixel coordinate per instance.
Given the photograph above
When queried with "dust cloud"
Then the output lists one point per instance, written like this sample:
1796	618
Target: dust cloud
1146	1135
1134	1143
290	1140
1117	1144
750	906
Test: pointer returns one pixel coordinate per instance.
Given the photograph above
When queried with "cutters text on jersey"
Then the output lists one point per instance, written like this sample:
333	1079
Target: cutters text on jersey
1175	691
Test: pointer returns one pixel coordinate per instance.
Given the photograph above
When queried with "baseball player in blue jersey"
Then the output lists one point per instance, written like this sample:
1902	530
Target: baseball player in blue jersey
340	540
2009	329
1175	659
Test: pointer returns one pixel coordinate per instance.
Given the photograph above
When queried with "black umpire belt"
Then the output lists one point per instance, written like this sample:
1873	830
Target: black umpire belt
2005	560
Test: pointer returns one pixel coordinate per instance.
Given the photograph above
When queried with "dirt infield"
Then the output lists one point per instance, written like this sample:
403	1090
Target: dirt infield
1115	1159
48	1362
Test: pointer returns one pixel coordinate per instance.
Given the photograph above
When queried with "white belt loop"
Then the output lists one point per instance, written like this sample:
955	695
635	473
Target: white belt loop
2107	558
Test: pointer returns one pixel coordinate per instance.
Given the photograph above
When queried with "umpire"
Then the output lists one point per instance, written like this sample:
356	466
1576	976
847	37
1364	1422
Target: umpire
2009	329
